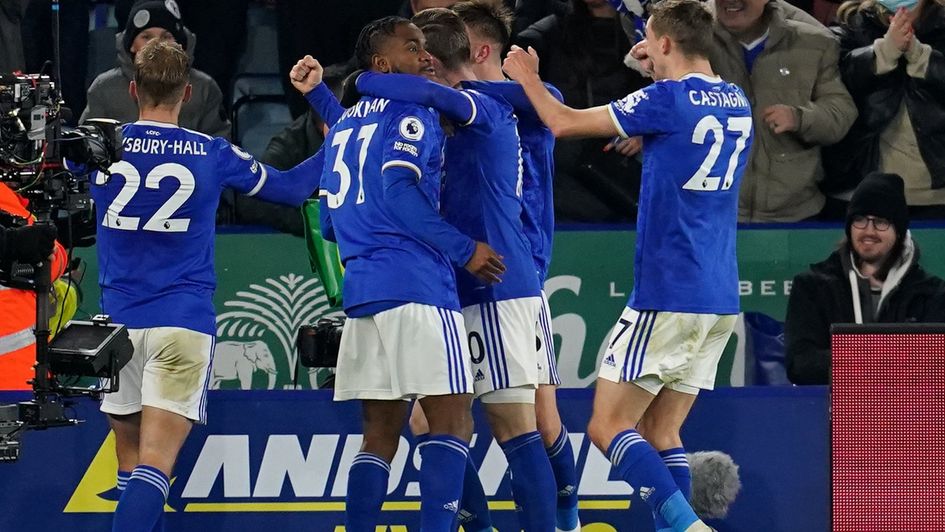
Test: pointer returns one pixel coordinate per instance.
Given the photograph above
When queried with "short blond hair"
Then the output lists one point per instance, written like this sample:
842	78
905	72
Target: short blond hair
162	71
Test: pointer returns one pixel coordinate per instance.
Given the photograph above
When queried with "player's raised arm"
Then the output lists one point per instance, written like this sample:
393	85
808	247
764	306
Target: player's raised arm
564	121
243	173
454	104
513	93
306	77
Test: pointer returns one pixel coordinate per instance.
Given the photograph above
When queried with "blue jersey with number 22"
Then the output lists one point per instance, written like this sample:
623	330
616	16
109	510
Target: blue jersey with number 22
156	217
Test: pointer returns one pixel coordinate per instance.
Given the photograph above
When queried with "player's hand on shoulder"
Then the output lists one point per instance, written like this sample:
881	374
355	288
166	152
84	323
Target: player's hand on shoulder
306	74
486	264
521	64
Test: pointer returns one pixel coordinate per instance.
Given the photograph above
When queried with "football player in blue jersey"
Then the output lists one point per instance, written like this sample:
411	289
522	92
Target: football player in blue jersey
156	216
405	337
484	197
488	26
697	132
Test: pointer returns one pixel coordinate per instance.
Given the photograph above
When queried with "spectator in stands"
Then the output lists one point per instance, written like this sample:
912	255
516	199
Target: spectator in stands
874	277
787	64
108	96
528	12
893	63
582	55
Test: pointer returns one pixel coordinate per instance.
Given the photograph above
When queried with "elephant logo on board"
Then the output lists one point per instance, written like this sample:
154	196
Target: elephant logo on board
270	313
239	360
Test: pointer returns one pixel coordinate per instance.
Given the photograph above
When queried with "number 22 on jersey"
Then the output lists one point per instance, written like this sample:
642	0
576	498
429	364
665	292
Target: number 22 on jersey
162	220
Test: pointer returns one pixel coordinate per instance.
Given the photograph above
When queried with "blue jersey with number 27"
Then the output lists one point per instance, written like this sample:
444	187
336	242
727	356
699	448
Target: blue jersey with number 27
697	134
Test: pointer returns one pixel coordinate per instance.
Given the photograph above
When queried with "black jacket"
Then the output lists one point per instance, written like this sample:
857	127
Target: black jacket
878	99
823	296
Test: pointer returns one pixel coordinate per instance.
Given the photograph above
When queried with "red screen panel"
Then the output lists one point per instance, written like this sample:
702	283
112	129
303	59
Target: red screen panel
888	429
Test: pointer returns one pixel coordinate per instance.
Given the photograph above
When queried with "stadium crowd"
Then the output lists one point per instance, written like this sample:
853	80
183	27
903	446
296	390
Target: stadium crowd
836	93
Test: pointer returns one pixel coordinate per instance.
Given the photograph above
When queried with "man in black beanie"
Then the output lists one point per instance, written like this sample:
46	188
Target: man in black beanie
108	96
874	277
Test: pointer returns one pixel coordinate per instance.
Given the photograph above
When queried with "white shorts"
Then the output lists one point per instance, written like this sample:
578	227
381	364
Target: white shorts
169	370
545	340
406	352
676	349
502	343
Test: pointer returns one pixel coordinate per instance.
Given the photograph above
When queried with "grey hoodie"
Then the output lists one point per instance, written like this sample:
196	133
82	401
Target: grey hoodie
109	97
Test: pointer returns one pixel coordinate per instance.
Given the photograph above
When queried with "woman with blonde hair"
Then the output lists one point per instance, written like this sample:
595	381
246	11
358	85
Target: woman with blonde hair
893	63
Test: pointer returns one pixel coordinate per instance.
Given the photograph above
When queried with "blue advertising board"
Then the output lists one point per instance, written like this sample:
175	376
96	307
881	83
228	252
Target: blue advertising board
278	460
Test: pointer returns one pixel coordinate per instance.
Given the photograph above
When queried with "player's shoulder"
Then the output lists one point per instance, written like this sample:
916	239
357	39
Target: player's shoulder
413	122
484	99
398	110
658	94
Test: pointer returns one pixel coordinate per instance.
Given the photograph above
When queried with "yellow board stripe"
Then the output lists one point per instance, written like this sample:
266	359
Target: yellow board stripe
406	506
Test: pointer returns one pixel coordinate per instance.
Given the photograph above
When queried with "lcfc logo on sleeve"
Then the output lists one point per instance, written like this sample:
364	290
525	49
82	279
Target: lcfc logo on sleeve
411	128
627	104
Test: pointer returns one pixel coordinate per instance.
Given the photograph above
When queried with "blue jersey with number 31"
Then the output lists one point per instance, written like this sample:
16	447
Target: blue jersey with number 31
385	260
697	134
156	217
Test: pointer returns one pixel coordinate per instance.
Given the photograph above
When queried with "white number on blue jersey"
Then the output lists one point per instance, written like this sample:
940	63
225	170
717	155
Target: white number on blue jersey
162	220
340	140
701	181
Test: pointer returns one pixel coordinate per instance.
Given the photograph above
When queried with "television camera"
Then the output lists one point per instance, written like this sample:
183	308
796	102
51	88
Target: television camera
85	357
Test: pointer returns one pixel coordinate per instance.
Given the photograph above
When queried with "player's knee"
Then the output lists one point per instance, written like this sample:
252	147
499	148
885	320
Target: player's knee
601	432
418	422
447	415
549	424
382	445
660	434
511	412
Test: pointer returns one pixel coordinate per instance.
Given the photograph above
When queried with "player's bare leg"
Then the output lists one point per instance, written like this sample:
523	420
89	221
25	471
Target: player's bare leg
127	430
664	418
160	435
546	413
508	420
382	423
618	409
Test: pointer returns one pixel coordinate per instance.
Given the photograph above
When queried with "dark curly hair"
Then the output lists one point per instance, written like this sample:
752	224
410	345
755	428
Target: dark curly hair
372	35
